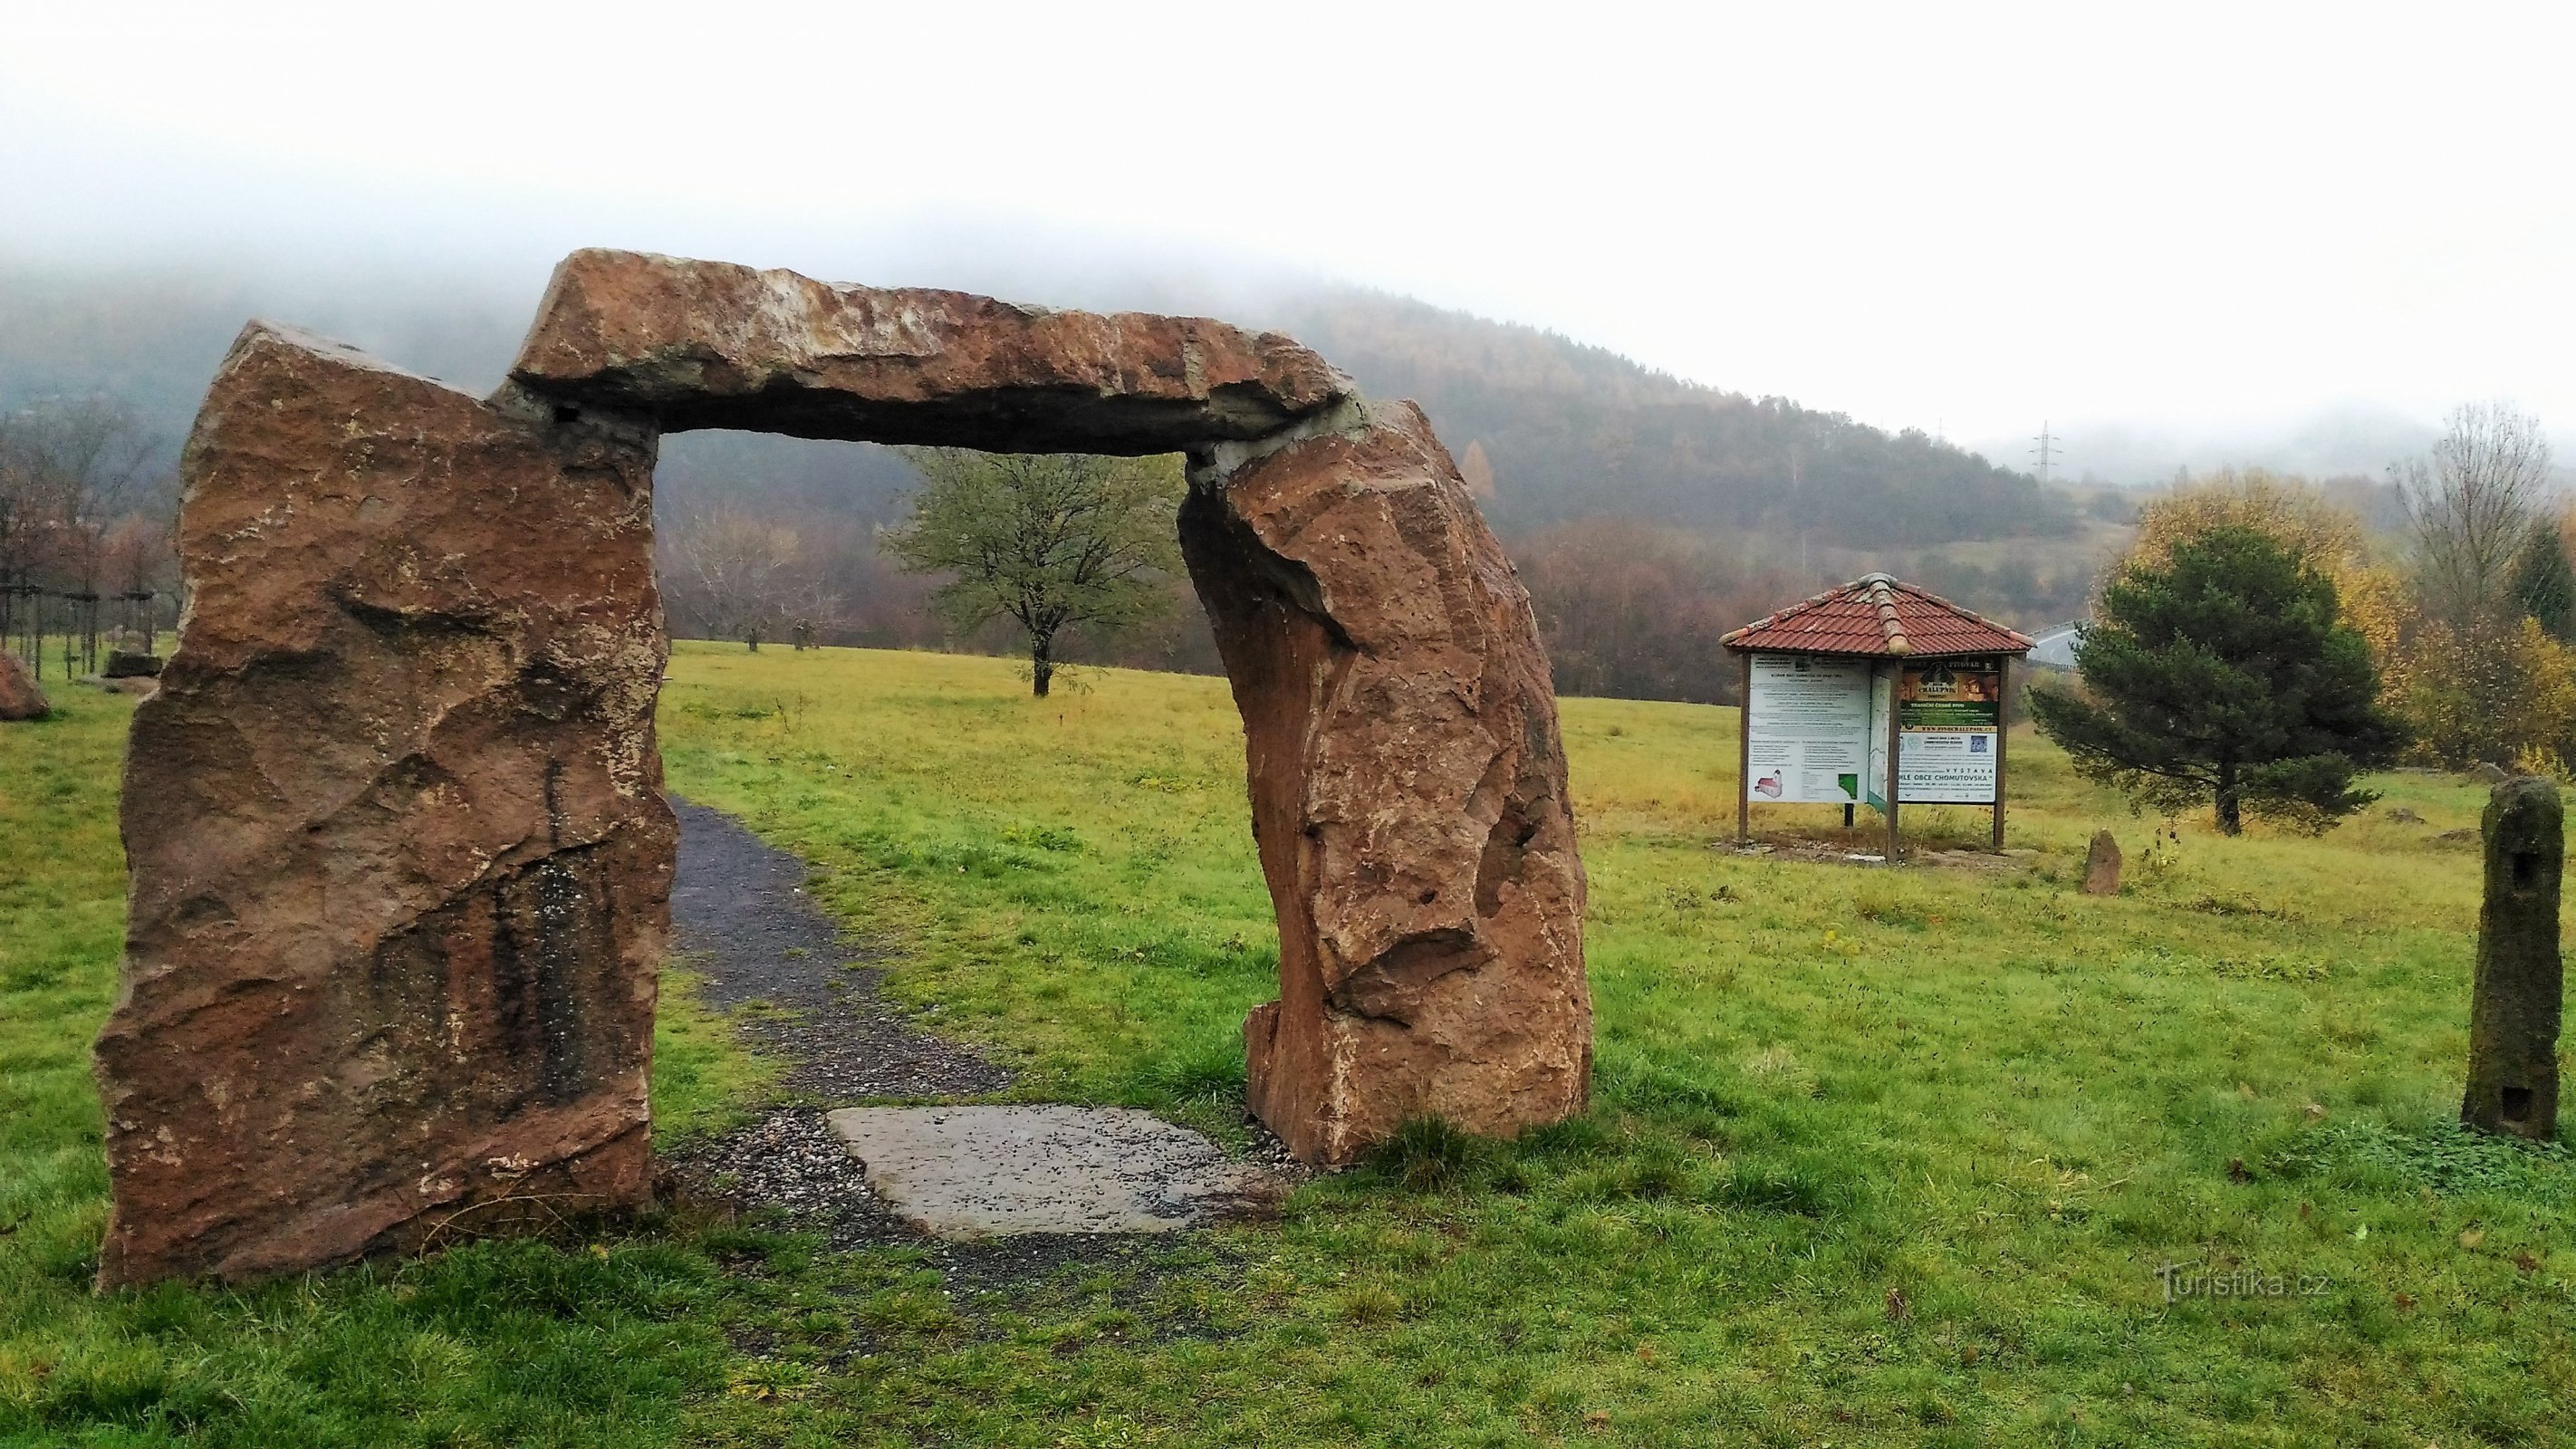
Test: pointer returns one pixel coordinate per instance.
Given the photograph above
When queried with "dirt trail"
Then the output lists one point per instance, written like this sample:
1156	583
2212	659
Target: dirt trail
742	920
769	958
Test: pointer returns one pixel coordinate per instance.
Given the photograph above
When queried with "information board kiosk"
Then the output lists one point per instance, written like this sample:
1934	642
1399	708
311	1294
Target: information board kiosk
1876	693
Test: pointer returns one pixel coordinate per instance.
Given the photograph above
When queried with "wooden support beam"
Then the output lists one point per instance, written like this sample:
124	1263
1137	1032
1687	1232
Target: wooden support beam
1895	711
2003	731
1744	753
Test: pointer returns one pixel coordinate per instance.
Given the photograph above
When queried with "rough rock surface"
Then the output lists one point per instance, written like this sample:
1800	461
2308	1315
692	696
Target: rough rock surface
714	345
123	664
1408	792
400	862
2101	866
1407	776
399	858
20	699
2515	1001
976	1171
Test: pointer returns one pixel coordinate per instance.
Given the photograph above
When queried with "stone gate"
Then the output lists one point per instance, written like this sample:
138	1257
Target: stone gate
400	860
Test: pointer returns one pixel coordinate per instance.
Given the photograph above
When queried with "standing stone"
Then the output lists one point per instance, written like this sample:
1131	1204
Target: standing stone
20	699
127	664
2102	866
1408	792
399	861
2514	1003
1407	777
400	864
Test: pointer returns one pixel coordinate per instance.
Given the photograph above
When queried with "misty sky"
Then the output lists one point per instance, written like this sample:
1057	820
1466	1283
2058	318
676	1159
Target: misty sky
2169	217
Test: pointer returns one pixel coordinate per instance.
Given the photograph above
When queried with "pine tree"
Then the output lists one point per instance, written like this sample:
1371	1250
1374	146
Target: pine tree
2221	674
2543	585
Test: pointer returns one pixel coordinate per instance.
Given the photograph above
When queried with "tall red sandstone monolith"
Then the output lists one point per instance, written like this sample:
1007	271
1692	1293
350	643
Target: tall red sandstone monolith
1408	792
400	860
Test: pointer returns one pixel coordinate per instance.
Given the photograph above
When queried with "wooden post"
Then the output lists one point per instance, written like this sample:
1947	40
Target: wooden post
1895	711
1744	754
2003	730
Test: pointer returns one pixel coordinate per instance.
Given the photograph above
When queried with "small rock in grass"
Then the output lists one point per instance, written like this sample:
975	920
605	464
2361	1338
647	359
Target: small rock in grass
2102	866
19	696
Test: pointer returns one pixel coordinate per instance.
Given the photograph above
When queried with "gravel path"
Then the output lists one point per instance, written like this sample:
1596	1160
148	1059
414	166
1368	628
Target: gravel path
769	958
739	912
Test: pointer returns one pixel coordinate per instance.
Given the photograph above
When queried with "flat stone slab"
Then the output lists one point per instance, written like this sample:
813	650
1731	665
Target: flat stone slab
979	1172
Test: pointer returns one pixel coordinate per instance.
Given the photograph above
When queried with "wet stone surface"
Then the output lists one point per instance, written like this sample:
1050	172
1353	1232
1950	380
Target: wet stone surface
974	1172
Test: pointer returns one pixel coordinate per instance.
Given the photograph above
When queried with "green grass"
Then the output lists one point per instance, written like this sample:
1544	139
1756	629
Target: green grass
1876	1157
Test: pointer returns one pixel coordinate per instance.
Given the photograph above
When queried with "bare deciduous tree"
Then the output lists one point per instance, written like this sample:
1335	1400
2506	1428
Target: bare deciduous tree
72	472
738	576
2470	504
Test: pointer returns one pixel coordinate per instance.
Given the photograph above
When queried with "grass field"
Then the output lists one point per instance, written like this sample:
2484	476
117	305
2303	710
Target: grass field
1876	1157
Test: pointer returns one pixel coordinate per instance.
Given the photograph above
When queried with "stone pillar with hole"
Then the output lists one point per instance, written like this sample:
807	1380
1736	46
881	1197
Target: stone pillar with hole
2514	1004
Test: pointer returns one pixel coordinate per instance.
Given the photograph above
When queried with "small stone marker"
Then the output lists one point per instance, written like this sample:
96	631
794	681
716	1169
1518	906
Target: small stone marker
2102	866
19	693
124	665
2514	1005
978	1172
19	696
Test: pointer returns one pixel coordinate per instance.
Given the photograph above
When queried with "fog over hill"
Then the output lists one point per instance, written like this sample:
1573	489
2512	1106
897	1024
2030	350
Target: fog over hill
1648	514
2354	440
1549	428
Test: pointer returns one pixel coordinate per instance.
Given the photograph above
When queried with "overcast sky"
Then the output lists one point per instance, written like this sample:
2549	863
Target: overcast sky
1966	218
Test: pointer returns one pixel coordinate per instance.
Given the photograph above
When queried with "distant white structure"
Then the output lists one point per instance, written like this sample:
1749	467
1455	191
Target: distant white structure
2054	646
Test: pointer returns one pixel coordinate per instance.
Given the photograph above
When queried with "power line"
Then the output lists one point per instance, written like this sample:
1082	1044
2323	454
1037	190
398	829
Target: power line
2048	448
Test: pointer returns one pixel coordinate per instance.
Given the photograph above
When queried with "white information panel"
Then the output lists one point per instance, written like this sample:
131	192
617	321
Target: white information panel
1946	767
1808	730
1947	714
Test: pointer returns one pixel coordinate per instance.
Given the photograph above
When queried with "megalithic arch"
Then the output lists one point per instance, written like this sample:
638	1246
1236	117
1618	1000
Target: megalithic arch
400	865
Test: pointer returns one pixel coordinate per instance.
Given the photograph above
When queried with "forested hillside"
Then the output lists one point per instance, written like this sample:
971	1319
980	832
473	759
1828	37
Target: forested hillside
1648	514
1570	431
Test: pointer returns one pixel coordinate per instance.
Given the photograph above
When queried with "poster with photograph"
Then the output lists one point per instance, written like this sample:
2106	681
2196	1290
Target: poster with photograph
1948	713
1807	730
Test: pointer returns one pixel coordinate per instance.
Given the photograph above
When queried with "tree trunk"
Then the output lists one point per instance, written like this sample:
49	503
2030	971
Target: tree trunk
1041	663
2230	818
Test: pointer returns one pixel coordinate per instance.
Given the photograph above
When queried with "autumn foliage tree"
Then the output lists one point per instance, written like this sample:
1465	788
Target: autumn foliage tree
2482	675
1634	610
81	517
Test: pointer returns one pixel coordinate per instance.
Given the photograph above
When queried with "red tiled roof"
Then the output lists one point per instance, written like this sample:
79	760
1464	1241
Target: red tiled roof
1877	614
